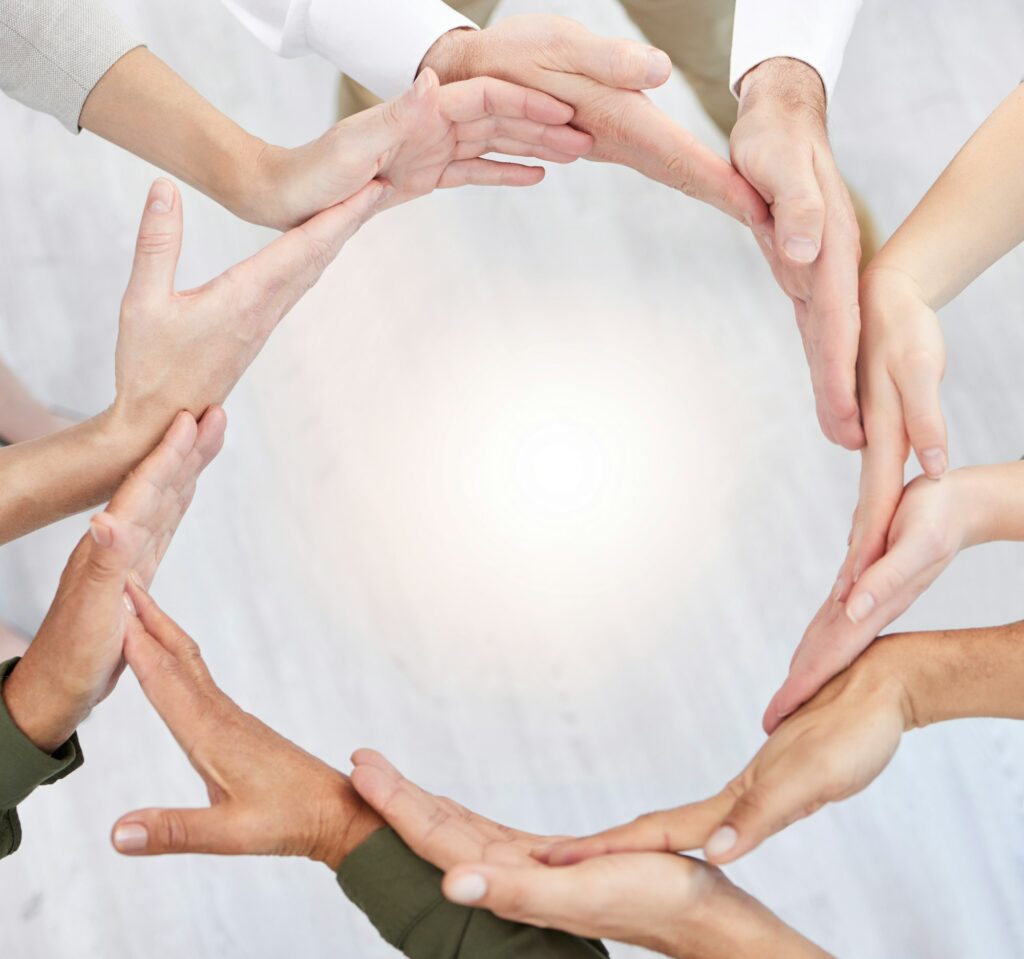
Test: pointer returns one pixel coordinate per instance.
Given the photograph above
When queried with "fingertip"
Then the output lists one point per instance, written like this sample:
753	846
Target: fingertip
465	886
162	198
801	249
101	529
934	462
659	69
130	838
859	606
722	845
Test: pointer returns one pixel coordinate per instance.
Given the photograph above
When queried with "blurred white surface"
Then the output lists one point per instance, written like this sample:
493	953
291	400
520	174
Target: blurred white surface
529	494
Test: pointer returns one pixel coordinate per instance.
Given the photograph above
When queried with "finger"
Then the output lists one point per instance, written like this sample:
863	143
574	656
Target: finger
481	97
210	438
157	832
881	489
899	577
426	825
618	63
797	205
701	173
675	830
158	245
164	630
279	275
489	173
470	149
779	798
919	380
561	139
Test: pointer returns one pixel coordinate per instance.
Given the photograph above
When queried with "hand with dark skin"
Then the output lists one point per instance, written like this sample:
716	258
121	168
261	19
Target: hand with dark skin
602	80
76	657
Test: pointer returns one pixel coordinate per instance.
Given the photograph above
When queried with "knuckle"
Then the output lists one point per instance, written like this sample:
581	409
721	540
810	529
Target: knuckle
155	242
172	831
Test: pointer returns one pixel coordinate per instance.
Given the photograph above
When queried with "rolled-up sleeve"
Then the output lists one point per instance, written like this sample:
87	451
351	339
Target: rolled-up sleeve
24	767
379	43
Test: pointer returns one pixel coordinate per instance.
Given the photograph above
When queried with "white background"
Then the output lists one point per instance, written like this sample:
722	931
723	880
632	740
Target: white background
366	565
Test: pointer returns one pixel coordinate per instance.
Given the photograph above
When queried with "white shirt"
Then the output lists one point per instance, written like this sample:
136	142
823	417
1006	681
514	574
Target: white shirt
381	43
815	31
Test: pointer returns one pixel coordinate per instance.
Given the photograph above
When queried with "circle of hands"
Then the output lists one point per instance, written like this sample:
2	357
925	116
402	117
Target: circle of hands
554	92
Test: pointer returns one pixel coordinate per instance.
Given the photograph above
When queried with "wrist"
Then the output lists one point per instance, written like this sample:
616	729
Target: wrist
454	55
344	823
45	713
787	85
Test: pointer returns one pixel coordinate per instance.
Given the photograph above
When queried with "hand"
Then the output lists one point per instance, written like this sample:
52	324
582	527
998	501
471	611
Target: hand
780	145
902	362
832	748
267	796
672	904
187	350
601	80
76	658
429	137
933	523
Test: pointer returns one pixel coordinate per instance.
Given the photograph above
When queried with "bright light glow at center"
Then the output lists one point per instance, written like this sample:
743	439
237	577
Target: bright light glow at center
562	468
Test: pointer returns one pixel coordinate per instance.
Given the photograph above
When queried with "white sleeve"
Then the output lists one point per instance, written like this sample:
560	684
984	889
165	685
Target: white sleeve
815	31
379	43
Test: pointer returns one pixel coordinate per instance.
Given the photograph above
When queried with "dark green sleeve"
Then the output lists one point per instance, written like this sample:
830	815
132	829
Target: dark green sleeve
401	895
23	767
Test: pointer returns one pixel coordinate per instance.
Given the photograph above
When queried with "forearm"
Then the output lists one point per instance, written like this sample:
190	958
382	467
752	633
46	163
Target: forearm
996	501
972	216
959	674
48	479
143	106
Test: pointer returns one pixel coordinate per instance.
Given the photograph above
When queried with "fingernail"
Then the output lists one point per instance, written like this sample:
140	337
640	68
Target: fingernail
467	889
131	837
422	84
659	66
101	533
129	605
802	249
766	239
837	590
934	461
860	607
161	196
721	842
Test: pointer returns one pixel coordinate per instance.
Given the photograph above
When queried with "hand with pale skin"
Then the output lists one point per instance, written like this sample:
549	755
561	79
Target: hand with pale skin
425	139
780	146
672	904
902	362
602	80
175	351
267	797
934	521
431	137
76	657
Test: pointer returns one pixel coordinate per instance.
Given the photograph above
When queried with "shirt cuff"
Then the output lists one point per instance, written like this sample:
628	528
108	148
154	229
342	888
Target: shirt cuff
23	766
392	39
815	32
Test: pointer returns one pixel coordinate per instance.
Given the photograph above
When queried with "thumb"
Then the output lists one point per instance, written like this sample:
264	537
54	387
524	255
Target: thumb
625	64
516	893
797	205
159	243
109	557
883	582
157	832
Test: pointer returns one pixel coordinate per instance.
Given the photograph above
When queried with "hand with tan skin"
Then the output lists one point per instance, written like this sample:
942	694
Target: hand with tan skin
425	139
672	904
76	657
836	745
267	797
602	80
934	521
175	350
780	145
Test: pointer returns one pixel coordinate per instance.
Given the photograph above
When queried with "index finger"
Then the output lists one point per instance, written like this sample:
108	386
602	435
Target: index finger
674	830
